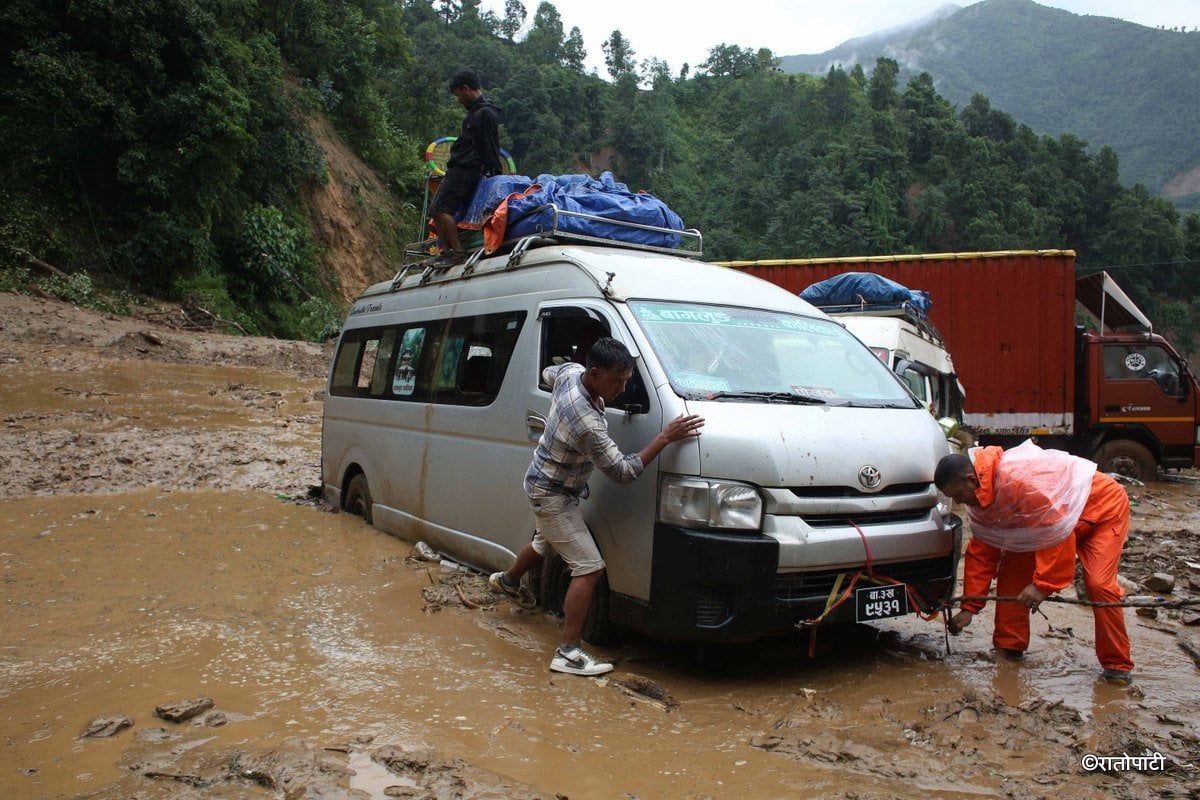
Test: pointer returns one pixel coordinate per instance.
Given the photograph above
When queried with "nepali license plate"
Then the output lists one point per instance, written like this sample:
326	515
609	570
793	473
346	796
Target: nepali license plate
880	602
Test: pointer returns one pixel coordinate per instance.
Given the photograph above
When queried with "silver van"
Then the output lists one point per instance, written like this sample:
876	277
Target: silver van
815	466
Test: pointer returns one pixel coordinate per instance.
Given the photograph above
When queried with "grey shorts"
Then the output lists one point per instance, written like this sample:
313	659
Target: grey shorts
560	527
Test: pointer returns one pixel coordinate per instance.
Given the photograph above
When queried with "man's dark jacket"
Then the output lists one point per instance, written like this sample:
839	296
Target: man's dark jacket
478	145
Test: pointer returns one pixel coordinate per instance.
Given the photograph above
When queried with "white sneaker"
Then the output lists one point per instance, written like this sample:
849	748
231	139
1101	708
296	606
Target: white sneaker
577	662
520	593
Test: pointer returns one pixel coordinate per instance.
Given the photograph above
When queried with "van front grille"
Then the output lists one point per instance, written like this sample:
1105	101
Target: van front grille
894	489
795	586
866	518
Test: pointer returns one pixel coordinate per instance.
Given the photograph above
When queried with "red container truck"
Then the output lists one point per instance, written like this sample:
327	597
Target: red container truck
1111	390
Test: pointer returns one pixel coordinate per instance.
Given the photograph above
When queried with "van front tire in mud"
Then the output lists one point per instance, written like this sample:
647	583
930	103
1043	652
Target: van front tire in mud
358	498
1129	458
552	590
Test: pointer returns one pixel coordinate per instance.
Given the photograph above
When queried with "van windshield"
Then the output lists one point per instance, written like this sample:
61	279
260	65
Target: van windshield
735	354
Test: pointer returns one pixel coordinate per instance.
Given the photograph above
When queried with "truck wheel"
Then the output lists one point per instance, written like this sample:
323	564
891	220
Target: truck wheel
555	578
358	498
1127	457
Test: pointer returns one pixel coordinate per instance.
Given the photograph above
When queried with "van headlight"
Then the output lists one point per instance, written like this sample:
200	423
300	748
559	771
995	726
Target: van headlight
700	503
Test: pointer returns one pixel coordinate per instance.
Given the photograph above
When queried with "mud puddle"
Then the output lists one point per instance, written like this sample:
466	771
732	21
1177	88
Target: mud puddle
148	561
307	631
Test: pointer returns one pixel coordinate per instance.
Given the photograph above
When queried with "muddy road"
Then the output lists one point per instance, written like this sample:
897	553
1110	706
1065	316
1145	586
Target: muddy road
159	552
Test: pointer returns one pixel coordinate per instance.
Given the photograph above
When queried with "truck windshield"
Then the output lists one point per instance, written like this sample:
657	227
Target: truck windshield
725	353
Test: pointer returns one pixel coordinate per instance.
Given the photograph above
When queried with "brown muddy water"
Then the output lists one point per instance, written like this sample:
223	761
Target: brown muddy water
333	675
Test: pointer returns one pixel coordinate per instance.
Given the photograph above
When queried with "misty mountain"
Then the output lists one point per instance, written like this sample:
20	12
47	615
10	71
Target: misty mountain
1107	81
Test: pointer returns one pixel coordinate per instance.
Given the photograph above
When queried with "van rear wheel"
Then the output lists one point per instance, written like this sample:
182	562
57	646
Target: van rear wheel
1129	458
555	578
358	498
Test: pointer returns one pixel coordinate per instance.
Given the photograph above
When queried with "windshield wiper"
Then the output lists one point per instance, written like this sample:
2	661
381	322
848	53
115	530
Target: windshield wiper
768	397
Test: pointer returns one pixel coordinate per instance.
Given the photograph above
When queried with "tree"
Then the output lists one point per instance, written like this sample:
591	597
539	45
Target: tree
544	42
881	89
837	94
514	18
727	60
574	54
618	55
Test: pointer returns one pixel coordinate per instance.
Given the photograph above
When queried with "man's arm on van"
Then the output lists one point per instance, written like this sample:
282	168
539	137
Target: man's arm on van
604	454
685	426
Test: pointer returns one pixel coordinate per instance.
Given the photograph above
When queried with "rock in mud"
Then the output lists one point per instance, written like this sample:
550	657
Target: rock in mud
1159	582
106	725
300	772
645	689
156	735
183	710
434	778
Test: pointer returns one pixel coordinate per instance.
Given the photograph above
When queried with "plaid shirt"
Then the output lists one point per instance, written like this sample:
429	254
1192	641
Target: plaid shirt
576	439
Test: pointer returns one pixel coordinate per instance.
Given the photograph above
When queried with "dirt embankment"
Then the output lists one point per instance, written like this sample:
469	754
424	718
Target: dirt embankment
358	225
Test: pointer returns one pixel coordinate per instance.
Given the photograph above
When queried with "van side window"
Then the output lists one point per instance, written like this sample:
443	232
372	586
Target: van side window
567	336
363	362
460	362
475	356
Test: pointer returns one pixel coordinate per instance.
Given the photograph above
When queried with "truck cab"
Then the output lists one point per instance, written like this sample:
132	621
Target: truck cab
1138	398
1141	400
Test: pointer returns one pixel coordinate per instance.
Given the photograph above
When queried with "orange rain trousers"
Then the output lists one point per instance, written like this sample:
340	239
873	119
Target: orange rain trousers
1097	542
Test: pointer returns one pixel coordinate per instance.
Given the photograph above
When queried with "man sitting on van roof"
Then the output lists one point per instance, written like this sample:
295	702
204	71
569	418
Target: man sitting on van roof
576	440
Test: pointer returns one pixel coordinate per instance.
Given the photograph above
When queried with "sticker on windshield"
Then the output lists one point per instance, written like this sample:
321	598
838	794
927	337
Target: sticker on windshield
823	392
733	318
695	382
1135	362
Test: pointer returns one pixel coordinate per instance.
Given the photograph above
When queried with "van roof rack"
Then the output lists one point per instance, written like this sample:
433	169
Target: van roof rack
926	329
691	242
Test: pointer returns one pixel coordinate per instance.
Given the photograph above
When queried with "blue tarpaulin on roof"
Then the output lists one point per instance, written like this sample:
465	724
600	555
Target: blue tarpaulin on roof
865	290
488	195
603	198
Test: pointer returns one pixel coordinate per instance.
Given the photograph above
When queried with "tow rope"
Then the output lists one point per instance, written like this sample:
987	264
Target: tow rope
1137	602
838	596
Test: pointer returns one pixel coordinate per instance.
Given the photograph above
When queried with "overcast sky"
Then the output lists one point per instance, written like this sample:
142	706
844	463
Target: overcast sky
679	31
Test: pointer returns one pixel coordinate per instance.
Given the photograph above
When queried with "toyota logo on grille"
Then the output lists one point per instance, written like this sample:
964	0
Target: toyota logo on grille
870	477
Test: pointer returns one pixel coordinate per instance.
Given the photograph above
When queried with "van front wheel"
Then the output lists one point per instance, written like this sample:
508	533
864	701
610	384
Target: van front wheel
555	578
358	498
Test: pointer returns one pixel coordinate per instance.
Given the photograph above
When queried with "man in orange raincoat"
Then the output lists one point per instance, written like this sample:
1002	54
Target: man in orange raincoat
1033	512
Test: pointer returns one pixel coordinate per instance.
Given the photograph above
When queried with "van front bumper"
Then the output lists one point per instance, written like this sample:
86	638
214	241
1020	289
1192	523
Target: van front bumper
721	587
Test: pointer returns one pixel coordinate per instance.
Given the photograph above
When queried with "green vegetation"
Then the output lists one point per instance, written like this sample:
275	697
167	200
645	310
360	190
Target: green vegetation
1108	81
161	146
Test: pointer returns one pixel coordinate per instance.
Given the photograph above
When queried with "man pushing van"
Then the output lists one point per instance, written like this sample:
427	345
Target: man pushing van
576	440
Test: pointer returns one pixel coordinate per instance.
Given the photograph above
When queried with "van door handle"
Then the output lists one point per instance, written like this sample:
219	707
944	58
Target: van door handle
535	425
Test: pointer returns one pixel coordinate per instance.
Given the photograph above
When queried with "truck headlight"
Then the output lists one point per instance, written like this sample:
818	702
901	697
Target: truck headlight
697	502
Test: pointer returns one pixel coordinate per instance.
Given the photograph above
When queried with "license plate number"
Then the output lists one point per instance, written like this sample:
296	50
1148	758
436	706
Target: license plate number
880	602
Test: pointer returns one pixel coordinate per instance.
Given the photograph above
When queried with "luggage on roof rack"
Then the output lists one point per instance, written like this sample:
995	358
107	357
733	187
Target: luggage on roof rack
858	292
570	208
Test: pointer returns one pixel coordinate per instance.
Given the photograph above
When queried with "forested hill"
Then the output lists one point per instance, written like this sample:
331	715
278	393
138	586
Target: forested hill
1107	81
179	148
